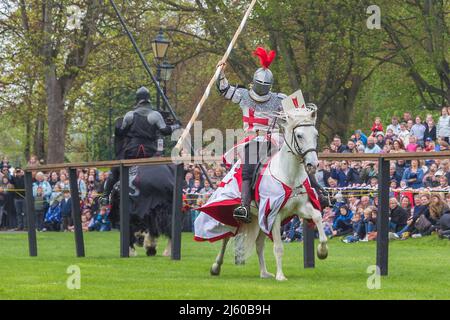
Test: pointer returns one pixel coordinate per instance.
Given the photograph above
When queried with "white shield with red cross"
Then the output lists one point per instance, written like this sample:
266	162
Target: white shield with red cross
295	108
294	104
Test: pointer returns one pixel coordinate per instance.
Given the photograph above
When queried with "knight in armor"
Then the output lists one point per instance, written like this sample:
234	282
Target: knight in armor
136	136
260	108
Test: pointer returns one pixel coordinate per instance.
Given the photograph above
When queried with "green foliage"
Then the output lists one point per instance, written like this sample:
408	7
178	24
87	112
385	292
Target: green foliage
324	48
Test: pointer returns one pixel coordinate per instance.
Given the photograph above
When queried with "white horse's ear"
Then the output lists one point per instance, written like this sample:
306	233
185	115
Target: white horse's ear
314	116
313	109
282	118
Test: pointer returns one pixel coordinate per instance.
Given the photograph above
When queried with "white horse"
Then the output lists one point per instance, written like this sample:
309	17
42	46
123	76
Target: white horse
289	166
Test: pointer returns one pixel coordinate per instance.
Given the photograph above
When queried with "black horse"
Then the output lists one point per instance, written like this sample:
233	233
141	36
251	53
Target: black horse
151	198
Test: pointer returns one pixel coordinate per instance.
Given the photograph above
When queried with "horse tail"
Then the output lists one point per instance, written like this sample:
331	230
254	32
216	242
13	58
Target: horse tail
246	238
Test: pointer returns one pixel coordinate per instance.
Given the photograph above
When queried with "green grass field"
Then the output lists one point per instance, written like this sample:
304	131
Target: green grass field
419	269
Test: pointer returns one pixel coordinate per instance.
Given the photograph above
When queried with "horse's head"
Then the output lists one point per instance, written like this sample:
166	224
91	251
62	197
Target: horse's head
301	135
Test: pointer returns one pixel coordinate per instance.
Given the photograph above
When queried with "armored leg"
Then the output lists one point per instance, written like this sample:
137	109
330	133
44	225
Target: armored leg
242	213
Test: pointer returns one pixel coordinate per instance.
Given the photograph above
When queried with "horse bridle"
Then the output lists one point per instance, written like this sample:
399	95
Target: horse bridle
298	151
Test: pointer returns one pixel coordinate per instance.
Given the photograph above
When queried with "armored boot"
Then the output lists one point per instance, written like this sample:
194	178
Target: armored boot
242	213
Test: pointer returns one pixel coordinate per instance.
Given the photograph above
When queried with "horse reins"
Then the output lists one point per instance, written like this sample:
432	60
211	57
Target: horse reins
298	151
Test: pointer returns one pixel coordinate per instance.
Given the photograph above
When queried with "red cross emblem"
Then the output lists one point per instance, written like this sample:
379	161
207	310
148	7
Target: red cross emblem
251	120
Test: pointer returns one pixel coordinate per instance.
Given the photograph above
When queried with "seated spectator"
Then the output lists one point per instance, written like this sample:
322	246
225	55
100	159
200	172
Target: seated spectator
54	179
443	125
430	180
343	223
351	147
5	173
398	146
393	174
443	183
199	175
357	225
430	129
377	127
295	230
188	181
406	204
369	223
438	207
380	141
413	175
368	171
404	134
398	216
372	147
444	224
365	202
409	125
33	162
343	174
85	221
327	220
411	229
429	145
412	145
359	136
44	185
206	191
418	131
386	149
353	202
52	220
393	185
394	127
337	145
323	173
390	135
442	144
101	221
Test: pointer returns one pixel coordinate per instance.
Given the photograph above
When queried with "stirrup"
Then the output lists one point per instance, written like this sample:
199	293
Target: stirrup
243	214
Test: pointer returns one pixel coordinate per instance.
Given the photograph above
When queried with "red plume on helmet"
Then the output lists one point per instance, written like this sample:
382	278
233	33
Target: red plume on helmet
265	57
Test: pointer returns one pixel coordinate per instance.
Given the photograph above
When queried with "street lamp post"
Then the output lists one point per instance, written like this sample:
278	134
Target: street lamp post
163	71
160	45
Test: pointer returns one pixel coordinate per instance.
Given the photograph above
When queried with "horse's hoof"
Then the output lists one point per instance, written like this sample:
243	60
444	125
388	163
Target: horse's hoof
151	251
166	253
281	278
133	252
267	275
215	269
322	251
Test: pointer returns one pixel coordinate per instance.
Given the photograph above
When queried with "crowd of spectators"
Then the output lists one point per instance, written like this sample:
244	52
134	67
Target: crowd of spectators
419	190
52	199
419	194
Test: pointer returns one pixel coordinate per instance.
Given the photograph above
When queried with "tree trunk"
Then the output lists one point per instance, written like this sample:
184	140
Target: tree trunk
55	114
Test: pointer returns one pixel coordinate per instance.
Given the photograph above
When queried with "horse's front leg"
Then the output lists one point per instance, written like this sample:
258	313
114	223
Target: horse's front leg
150	243
322	249
215	268
260	241
278	247
168	250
